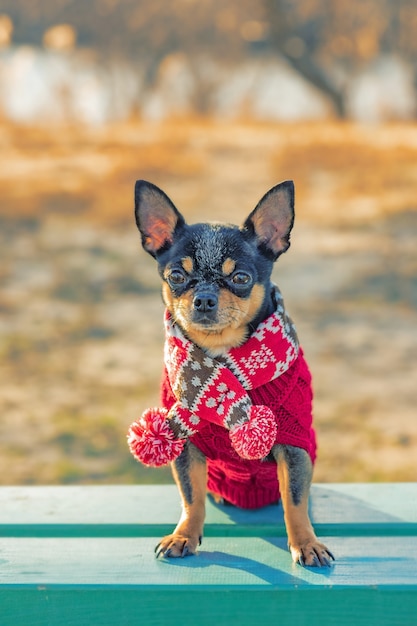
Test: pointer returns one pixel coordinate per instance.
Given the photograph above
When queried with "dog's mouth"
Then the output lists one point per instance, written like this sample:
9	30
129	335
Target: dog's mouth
200	322
205	321
207	324
209	329
212	322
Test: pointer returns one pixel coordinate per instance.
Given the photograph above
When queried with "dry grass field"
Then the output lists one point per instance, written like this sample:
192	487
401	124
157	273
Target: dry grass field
80	311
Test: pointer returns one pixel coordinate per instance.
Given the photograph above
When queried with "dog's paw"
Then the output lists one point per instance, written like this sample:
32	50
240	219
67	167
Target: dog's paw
311	553
175	545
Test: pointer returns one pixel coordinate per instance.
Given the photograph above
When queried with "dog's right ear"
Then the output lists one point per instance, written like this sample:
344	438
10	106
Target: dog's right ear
156	217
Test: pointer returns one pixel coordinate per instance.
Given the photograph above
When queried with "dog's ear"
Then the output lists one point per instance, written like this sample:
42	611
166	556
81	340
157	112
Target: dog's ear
272	220
156	217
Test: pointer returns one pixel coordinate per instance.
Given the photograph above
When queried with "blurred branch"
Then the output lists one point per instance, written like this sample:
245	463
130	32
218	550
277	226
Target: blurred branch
323	38
325	41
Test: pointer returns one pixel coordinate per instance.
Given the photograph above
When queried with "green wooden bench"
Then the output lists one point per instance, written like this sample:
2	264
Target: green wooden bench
84	555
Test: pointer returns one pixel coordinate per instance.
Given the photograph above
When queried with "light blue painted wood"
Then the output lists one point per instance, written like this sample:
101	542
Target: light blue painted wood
344	510
100	567
159	504
233	562
364	502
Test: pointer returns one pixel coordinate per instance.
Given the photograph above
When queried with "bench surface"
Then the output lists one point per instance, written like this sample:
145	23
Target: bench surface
83	555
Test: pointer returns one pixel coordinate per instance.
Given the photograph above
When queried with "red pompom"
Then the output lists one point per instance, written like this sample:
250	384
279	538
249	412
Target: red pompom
151	439
254	438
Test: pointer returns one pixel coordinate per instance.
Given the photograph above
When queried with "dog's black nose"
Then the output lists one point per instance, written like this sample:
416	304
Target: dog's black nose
205	302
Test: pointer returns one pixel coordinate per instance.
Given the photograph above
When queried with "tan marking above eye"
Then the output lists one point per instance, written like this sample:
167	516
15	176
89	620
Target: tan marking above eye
228	266
187	264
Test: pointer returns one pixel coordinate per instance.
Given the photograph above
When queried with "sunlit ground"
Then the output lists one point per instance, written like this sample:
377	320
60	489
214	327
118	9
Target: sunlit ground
80	311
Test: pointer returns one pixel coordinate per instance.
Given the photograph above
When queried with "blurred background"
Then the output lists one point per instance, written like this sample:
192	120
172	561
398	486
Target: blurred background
214	102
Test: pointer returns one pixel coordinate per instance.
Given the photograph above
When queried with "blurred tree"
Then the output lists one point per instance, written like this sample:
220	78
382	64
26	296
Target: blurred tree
148	33
327	40
141	29
324	40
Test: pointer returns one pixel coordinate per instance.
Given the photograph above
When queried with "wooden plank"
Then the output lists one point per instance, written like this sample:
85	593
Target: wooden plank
365	502
102	569
232	580
222	607
232	561
123	511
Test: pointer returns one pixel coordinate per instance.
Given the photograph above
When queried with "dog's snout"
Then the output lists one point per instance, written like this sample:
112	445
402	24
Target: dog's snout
205	302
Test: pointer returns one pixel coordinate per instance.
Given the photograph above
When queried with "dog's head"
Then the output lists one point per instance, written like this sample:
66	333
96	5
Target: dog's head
216	277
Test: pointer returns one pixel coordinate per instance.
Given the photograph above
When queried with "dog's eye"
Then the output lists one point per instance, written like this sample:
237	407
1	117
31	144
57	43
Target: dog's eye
176	277
241	278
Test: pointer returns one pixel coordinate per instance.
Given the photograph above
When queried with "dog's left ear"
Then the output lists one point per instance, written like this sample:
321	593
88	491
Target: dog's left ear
272	220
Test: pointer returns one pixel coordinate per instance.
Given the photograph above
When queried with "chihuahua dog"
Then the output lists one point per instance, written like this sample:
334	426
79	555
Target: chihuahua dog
216	285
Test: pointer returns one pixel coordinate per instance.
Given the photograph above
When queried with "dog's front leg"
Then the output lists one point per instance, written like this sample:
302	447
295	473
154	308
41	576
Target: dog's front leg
190	473
295	472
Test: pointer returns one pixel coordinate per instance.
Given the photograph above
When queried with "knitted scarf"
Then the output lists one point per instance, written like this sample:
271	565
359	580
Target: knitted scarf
215	389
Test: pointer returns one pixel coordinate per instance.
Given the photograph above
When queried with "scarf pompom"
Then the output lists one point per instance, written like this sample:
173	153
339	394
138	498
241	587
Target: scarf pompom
151	439
254	438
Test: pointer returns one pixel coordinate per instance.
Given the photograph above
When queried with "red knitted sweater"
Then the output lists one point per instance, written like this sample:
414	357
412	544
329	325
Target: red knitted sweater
253	484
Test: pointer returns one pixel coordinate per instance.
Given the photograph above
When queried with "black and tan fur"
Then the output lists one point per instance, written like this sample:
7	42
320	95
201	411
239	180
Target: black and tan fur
216	285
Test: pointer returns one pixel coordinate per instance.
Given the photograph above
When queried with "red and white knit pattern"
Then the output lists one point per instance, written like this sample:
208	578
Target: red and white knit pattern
215	389
269	351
